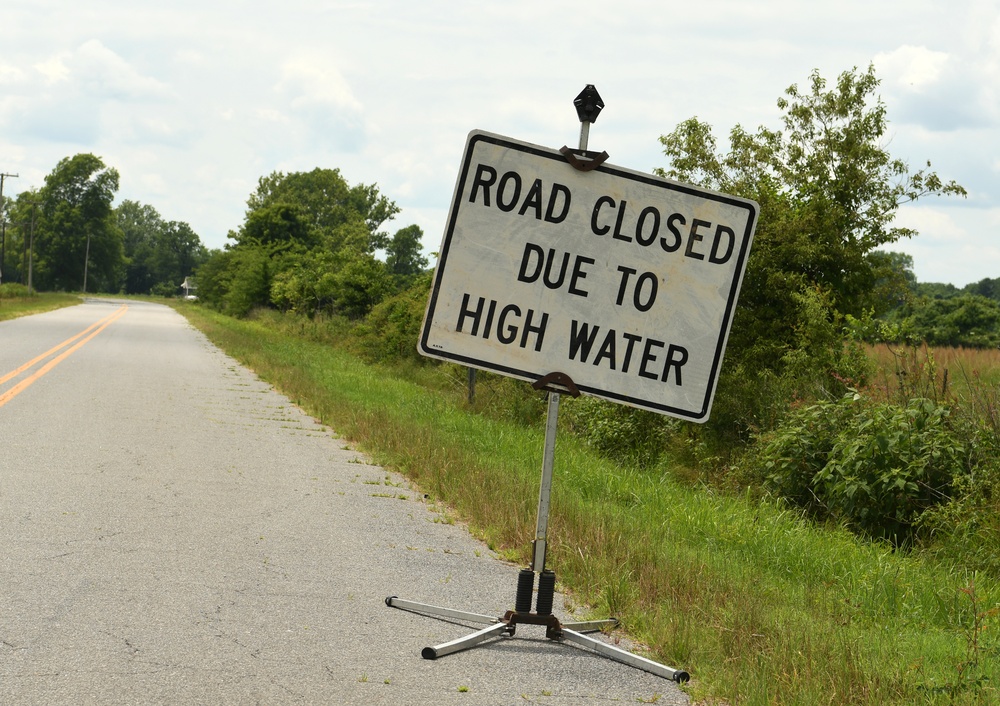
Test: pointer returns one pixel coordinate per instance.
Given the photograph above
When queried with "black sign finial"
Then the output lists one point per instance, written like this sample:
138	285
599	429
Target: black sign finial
588	104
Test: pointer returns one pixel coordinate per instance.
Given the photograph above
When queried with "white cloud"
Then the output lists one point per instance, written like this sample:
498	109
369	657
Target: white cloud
313	79
933	224
319	98
956	244
937	90
101	70
270	115
912	68
72	96
11	74
53	69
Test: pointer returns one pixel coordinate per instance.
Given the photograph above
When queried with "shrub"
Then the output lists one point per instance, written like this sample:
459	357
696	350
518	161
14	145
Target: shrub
630	436
391	329
250	282
360	284
12	290
164	289
754	395
966	529
877	467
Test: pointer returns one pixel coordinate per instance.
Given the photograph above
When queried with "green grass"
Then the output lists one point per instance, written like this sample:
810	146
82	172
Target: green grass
13	307
758	605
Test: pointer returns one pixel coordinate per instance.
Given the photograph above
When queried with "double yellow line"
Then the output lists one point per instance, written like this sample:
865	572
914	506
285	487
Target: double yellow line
80	340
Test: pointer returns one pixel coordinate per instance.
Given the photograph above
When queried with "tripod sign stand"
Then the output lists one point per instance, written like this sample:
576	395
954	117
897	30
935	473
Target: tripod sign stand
542	615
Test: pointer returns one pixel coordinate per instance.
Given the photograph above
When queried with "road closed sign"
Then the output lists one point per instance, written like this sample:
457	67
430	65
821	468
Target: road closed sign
623	281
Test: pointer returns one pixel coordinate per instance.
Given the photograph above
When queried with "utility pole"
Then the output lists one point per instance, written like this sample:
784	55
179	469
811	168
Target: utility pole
3	223
31	246
86	262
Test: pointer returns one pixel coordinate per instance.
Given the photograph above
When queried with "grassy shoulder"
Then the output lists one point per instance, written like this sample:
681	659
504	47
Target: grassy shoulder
758	605
14	304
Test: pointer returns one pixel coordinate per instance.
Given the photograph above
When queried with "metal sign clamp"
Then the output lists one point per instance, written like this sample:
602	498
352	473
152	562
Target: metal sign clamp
590	160
557	382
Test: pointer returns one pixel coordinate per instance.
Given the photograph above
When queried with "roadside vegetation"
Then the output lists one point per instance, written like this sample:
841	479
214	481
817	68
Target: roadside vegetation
15	301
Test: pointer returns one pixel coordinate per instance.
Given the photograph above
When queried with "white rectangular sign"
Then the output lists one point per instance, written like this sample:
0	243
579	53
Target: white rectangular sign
624	281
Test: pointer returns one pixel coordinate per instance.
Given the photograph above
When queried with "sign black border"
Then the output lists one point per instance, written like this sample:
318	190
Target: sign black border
477	136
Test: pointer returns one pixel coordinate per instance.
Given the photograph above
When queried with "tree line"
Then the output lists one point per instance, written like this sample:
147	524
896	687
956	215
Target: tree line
68	236
308	245
940	314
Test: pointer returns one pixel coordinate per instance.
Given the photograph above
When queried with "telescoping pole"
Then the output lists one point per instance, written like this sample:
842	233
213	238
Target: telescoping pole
545	492
588	107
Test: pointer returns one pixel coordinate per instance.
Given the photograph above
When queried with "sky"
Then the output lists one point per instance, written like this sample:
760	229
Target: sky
193	102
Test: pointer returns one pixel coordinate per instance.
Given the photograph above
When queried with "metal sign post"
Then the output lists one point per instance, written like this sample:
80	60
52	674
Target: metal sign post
511	337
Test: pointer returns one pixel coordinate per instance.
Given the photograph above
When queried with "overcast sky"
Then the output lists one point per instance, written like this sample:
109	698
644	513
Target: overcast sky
192	102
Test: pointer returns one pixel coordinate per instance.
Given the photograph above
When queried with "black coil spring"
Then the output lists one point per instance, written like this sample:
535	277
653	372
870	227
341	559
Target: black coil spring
525	585
546	591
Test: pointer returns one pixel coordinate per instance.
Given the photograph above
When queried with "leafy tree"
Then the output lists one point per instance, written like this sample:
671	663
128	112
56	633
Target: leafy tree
140	225
77	238
987	287
214	276
307	245
936	290
902	265
279	225
248	281
306	283
160	254
828	192
360	284
21	214
404	255
323	202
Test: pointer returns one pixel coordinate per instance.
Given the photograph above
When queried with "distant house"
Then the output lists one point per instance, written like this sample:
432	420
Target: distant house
189	288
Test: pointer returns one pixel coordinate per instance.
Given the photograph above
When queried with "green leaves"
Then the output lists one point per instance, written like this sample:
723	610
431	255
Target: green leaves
159	254
323	203
307	245
876	467
828	191
76	231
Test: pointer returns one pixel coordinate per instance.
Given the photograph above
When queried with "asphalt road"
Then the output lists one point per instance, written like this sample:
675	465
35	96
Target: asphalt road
174	531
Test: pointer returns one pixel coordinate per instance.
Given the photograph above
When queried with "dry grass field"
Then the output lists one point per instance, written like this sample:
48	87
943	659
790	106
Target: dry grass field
943	374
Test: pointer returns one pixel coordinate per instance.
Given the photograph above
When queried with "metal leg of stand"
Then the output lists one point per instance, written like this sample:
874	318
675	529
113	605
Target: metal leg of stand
464	643
396	602
591	625
628	658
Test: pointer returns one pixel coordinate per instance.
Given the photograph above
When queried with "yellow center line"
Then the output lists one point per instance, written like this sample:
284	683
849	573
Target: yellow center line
46	354
90	332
